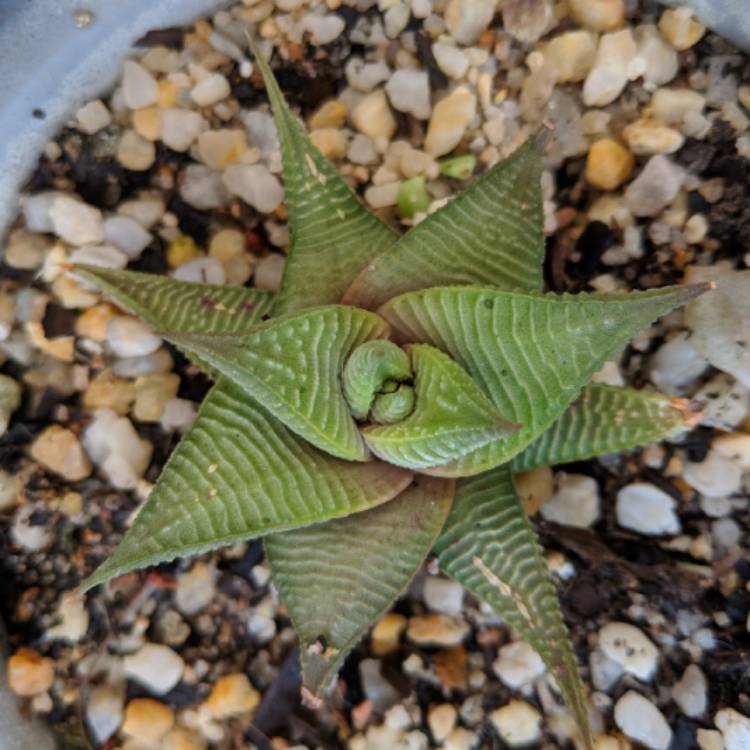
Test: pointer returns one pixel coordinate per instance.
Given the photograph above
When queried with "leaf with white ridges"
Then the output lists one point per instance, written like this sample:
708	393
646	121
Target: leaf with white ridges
452	416
489	546
489	234
171	305
531	353
239	474
292	365
607	419
333	237
337	578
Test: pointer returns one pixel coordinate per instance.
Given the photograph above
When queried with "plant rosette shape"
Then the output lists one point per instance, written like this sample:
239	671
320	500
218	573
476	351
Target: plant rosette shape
375	410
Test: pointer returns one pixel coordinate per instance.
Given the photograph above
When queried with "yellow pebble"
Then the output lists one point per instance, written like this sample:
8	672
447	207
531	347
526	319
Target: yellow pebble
220	148
386	634
168	90
534	488
232	695
332	114
608	164
330	142
181	250
147	123
180	738
29	673
147	720
226	244
92	323
680	29
598	15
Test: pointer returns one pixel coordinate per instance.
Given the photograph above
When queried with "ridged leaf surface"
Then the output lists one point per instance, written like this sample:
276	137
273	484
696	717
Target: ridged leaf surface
293	366
531	353
452	416
333	237
489	234
606	419
337	578
490	547
237	474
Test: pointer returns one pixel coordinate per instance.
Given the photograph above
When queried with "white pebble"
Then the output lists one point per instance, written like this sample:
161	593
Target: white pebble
255	185
105	256
29	536
180	128
676	364
725	402
75	221
129	337
726	533
195	588
734	728
72	620
268	272
201	271
179	414
211	90
690	692
518	723
127	234
139	87
443	595
36	210
645	508
715	476
451	60
642	721
660	61
656	186
396	18
630	648
365	76
104	710
518	665
156	667
324	29
467	19
146	210
409	91
93	117
616	63
362	150
575	502
203	188
605	672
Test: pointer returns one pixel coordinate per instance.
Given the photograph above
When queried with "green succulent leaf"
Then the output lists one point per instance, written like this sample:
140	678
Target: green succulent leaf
293	365
452	416
333	237
490	547
237	474
606	419
489	234
532	354
337	578
170	305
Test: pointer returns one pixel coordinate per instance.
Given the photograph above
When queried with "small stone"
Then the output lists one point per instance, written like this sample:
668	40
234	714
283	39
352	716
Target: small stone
656	186
211	90
330	142
442	719
518	723
676	365
571	54
365	76
396	19
734	728
11	486
450	118
104	711
437	630
331	114
201	270
139	87
644	508
451	60
93	117
10	400
147	720
127	234
535	487
220	148
134	152
58	450
376	687
373	117
608	164
646	137
628	646
36	210
575	502
518	665
680	28
459	739
146	210
673	105
156	667
642	721
467	19
409	91
227	244
386	635
715	476
362	150
179	414
202	187
659	60
25	250
695	229
726	533
725	402
147	123
195	589
709	739
528	20
105	256
129	337
605	672
323	28
72	620
152	393
255	185
443	595
382	196
598	15
269	271
735	447
616	63
180	128
76	222
133	367
29	673
690	692
181	738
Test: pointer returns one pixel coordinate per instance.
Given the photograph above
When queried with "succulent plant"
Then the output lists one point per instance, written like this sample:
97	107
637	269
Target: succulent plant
376	409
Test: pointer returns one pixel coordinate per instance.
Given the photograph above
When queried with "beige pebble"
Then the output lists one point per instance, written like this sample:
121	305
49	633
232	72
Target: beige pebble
30	673
226	244
373	116
181	738
646	137
571	54
330	142
598	15
152	393
609	164
232	695
134	152
331	114
147	720
437	630
106	391
92	323
441	719
25	250
535	487
680	28
147	123
59	450
386	635
450	118
220	148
